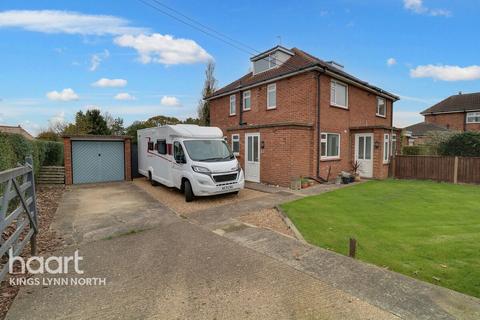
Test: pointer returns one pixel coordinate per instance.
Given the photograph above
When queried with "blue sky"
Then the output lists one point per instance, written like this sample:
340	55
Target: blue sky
58	57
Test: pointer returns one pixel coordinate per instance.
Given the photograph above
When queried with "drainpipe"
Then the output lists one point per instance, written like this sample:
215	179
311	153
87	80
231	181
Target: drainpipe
318	125
240	120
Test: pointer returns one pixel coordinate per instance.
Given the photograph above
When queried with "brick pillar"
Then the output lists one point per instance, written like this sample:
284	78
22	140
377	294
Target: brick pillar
67	155
128	159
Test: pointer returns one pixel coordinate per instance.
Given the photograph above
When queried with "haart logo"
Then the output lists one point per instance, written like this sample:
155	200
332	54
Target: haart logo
50	265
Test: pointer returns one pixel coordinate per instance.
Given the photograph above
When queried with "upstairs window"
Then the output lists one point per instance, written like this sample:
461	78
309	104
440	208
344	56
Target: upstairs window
339	94
272	96
235	144
381	107
386	148
232	105
330	146
473	117
246	100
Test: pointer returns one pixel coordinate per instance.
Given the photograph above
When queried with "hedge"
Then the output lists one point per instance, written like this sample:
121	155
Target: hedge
14	148
465	144
418	150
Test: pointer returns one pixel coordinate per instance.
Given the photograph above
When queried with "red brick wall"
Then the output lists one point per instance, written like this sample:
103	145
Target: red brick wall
454	121
67	154
362	107
128	159
286	155
291	152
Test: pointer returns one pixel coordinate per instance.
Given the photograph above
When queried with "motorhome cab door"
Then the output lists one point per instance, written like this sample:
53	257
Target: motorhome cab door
178	164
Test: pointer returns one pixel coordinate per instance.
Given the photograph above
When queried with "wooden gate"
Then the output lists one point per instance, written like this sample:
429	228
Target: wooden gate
18	213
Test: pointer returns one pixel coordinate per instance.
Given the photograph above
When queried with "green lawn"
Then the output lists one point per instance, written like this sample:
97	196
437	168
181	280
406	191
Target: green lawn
423	229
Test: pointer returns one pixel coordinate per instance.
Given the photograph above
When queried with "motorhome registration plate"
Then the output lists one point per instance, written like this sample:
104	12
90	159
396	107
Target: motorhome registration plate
223	188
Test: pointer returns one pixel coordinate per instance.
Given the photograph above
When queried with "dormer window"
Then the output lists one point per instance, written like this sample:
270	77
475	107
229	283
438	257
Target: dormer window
270	59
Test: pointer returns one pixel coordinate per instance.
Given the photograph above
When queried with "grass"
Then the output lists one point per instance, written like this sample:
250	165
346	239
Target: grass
426	230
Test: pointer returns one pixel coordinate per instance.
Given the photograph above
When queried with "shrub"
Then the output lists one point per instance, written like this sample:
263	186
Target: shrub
418	150
465	144
15	148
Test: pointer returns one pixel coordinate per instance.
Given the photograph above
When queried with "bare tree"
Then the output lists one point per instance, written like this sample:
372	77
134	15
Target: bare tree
209	87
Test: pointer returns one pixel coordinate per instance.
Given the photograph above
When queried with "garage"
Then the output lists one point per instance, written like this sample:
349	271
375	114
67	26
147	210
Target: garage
94	159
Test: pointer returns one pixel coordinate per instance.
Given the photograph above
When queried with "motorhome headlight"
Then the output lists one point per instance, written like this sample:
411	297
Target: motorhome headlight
239	168
201	169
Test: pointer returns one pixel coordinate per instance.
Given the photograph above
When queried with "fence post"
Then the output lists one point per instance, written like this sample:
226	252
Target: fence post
33	206
455	171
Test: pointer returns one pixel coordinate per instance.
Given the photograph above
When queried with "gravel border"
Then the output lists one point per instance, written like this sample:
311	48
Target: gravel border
48	198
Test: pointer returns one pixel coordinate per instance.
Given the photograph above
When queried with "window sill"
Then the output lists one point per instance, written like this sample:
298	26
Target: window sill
271	108
245	110
232	115
338	106
323	159
380	116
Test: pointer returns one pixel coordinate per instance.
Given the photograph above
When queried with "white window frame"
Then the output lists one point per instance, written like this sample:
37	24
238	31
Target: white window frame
272	87
333	102
386	148
394	144
325	140
378	114
233	100
473	115
247	95
236	138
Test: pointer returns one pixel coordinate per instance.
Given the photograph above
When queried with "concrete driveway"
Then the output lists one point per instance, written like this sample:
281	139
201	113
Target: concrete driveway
94	212
174	269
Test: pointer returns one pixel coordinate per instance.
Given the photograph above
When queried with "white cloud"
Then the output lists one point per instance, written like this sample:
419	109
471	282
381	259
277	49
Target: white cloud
64	95
56	21
446	72
31	127
97	58
57	119
170	101
124	96
391	61
110	83
403	119
418	7
164	49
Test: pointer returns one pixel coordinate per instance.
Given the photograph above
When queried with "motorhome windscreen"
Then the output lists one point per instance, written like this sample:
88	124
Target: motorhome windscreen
208	150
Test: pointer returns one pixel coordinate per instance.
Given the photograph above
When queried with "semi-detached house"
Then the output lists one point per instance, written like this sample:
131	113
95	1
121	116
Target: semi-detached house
296	116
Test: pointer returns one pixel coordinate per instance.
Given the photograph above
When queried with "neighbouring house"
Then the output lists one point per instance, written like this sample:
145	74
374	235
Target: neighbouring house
417	133
295	115
17	130
459	112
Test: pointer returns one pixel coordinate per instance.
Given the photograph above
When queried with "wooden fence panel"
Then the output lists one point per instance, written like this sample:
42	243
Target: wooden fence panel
469	170
437	168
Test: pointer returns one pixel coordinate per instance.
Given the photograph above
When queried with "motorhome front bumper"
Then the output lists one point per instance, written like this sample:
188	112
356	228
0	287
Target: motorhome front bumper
205	186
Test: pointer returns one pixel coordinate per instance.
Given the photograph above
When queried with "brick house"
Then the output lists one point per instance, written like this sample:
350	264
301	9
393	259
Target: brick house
296	115
459	112
417	134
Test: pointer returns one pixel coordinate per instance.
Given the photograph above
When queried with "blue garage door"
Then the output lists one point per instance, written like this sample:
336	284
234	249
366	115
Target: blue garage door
97	161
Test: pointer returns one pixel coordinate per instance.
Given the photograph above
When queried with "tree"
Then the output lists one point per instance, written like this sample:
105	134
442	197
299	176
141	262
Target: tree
465	144
48	135
96	123
209	86
191	121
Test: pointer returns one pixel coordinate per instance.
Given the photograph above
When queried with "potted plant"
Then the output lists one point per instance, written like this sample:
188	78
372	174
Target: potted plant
355	167
305	183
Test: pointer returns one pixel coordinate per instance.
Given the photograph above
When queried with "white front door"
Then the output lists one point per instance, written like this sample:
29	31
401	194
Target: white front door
252	157
364	154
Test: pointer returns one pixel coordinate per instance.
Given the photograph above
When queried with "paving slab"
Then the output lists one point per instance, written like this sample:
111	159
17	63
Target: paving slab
403	296
180	271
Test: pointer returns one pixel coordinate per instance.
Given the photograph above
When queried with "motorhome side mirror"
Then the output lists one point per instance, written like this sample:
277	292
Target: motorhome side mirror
181	159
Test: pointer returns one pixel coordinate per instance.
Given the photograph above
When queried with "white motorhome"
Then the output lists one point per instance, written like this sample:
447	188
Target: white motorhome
194	159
